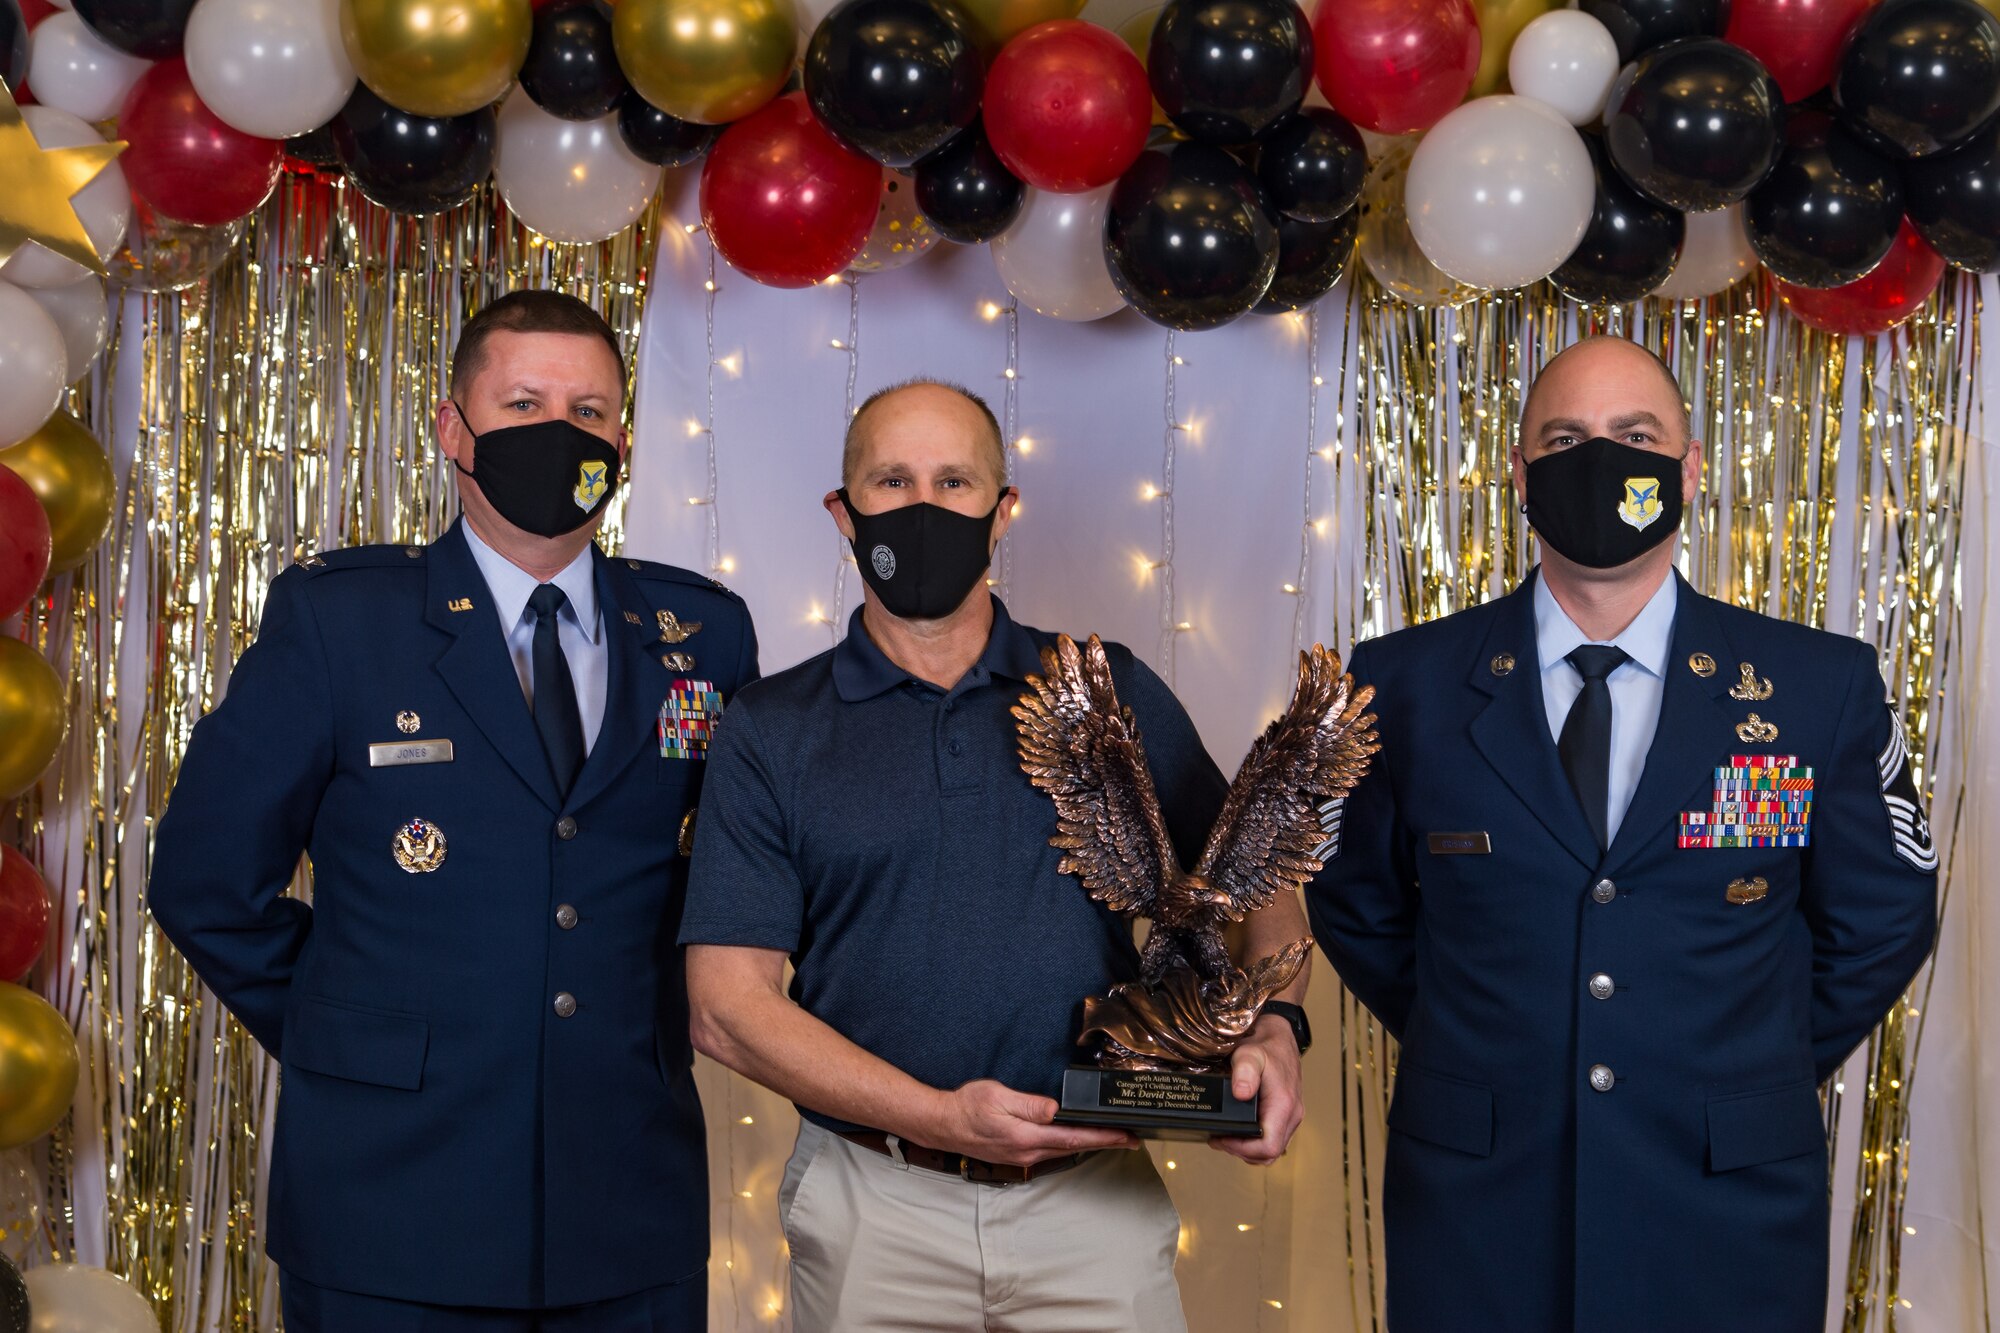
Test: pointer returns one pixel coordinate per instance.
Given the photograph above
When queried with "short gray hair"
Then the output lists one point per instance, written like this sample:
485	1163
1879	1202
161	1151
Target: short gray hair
850	449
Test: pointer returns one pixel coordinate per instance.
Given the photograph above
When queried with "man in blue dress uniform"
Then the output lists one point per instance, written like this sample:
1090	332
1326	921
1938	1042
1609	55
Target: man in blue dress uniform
490	750
1633	873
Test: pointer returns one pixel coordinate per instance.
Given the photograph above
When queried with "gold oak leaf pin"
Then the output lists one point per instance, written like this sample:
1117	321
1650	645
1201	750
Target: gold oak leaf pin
36	205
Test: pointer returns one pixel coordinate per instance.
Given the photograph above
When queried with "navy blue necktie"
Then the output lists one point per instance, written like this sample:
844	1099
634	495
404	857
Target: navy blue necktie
556	713
1585	745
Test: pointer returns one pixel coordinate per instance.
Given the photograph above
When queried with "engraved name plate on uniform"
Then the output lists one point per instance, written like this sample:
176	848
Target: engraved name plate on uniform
390	754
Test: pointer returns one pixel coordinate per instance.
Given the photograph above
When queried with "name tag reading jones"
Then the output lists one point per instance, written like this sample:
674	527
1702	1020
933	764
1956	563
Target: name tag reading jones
389	754
1460	844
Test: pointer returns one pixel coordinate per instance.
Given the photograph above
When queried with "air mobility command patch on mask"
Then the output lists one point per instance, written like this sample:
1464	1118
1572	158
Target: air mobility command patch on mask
1908	825
1760	800
688	718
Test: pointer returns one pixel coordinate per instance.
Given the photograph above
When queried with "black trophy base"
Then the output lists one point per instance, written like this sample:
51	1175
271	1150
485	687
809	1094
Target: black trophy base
1155	1104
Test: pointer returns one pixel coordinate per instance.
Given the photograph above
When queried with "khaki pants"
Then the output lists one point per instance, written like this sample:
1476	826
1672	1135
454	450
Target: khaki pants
879	1247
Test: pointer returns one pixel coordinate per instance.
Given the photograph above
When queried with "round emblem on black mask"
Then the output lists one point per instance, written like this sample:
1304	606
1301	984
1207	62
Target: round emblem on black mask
884	561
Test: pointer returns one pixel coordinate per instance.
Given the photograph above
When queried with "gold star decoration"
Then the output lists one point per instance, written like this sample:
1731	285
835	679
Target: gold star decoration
35	205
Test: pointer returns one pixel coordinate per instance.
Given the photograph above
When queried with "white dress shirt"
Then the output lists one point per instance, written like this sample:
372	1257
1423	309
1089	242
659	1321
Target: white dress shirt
579	629
1635	685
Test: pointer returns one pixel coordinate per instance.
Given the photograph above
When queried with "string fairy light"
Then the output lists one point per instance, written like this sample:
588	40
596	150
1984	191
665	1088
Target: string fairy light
1171	625
1298	588
851	346
1012	444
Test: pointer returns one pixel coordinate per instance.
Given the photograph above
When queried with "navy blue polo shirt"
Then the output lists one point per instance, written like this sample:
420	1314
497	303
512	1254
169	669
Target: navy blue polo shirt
881	831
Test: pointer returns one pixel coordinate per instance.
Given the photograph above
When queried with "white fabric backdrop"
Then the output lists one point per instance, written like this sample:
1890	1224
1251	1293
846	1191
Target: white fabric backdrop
1264	1250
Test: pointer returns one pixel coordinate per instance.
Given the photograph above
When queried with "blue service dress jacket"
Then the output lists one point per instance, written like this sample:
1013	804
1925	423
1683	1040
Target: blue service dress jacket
481	1018
1606	1112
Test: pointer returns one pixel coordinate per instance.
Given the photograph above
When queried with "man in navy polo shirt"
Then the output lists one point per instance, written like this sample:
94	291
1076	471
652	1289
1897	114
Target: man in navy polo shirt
866	817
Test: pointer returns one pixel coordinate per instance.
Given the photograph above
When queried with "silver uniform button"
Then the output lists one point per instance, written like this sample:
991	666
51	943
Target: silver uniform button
1601	987
1601	1077
565	828
1604	891
566	1005
566	917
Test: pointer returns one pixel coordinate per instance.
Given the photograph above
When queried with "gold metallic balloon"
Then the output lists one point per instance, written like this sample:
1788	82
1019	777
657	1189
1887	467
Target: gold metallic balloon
38	1065
1137	33
437	57
998	20
71	475
709	61
1387	246
32	722
1500	22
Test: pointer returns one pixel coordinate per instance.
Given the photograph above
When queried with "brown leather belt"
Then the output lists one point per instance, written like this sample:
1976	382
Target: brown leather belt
957	1164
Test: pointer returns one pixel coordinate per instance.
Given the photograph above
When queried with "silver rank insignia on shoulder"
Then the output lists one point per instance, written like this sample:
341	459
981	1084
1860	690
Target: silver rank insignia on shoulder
673	631
1502	664
407	722
677	661
1741	891
1750	689
312	562
1754	730
1702	665
633	618
418	847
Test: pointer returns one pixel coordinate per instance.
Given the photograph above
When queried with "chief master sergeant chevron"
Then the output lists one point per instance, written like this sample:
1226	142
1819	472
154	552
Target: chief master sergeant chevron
1633	873
490	749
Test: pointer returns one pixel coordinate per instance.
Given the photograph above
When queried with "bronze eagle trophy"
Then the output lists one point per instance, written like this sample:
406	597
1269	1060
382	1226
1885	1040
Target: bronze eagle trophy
1174	1029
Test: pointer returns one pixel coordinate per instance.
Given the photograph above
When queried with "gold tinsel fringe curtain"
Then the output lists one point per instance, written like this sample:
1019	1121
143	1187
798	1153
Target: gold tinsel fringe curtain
285	405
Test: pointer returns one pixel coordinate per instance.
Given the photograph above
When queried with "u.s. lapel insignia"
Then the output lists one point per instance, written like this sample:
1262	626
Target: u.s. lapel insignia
1702	665
590	484
1754	730
407	722
677	661
1741	891
1750	689
686	843
460	604
418	847
1502	664
633	618
673	631
1641	506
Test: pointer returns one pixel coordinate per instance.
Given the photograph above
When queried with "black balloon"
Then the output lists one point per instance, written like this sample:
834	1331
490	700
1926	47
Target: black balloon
1695	124
315	148
1954	201
571	70
894	78
1312	165
1187	237
1629	247
659	138
965	191
1311	258
1640	25
1919	76
149	28
13	46
15	1314
1830	210
1225	71
413	164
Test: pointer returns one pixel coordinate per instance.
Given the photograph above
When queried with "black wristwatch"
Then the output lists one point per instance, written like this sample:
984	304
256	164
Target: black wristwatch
1302	1031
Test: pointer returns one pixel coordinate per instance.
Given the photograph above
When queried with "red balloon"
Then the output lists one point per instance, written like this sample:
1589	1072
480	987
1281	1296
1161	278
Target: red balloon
24	914
185	160
1067	106
34	11
1394	66
783	200
1878	302
24	542
1799	41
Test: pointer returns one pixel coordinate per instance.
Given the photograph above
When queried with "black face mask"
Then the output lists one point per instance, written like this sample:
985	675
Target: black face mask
547	477
1602	504
921	559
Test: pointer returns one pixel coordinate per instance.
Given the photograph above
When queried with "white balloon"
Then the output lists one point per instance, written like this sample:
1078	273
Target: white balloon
34	368
570	180
1567	59
273	68
1052	258
1499	192
1715	254
72	69
104	205
82	316
70	1298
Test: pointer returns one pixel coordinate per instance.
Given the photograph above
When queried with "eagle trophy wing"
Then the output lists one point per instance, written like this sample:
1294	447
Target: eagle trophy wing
1314	752
1081	747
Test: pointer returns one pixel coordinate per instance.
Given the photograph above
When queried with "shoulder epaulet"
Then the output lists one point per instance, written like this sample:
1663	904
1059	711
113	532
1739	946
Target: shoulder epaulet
653	569
362	557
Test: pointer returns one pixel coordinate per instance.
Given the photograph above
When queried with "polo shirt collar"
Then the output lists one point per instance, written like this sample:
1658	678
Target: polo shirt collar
861	670
511	585
1647	640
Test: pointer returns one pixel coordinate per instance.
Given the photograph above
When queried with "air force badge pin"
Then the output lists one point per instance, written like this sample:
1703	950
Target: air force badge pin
418	847
1641	506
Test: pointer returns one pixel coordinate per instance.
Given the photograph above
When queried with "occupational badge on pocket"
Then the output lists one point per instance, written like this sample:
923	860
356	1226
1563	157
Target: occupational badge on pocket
1745	891
418	847
1760	800
688	718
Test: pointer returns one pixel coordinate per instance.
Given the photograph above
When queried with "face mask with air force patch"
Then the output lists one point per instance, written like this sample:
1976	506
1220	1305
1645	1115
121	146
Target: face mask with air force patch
1602	504
545	477
921	559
